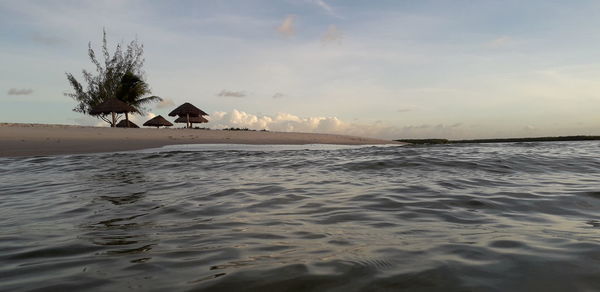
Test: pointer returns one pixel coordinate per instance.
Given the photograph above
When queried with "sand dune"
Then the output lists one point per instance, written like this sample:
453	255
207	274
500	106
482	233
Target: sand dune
42	139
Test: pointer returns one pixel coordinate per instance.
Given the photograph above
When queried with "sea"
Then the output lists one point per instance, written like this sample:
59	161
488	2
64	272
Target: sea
468	217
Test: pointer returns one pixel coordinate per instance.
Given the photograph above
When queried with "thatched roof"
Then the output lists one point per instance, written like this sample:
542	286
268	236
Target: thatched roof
193	120
123	124
112	105
158	121
187	109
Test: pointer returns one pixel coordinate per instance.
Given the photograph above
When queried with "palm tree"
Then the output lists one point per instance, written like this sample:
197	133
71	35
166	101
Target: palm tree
119	76
131	90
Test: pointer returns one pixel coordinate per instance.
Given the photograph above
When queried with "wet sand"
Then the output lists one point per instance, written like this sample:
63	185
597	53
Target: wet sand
42	139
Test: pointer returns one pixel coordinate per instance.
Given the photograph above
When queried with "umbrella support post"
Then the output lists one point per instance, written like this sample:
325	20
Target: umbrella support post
114	122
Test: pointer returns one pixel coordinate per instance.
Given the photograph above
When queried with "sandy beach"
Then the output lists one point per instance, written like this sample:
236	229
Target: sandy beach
41	139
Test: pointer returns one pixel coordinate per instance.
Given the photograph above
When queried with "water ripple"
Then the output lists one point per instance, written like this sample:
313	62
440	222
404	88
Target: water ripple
496	217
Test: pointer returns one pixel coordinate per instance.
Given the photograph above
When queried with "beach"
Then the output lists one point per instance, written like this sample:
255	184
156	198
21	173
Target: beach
18	139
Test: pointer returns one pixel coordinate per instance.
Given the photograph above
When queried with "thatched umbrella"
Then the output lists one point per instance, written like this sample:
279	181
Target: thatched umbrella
157	122
191	120
126	124
187	110
113	106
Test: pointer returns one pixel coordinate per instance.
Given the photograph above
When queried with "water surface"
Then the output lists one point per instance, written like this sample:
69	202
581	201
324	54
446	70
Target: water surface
493	217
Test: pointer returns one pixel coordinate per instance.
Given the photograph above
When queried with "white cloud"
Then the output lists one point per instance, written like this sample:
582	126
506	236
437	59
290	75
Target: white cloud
165	103
286	122
231	93
283	122
332	35
287	26
141	119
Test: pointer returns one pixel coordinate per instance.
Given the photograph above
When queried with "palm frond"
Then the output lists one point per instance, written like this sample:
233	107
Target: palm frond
120	75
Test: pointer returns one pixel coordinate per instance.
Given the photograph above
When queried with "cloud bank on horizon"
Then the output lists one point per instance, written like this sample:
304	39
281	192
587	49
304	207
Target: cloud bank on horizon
285	122
448	69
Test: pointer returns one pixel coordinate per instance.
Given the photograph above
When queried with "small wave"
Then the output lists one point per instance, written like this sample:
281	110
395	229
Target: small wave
490	217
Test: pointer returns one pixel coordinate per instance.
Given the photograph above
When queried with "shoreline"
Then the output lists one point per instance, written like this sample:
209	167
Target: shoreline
18	140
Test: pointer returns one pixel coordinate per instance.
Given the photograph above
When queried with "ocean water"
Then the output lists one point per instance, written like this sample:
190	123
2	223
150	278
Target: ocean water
493	217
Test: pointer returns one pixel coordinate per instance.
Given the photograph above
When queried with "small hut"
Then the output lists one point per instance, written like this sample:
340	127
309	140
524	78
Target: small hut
191	120
187	111
158	122
113	106
126	124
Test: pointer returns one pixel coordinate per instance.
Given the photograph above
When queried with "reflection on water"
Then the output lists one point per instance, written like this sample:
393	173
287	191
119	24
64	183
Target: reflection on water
499	217
118	185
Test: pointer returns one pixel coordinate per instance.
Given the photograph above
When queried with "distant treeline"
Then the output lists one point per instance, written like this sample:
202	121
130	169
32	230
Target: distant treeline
501	140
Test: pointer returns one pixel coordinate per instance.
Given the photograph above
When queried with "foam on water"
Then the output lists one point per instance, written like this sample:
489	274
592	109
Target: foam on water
496	217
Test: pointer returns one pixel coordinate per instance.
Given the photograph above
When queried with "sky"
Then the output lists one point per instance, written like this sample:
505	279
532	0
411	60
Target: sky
387	69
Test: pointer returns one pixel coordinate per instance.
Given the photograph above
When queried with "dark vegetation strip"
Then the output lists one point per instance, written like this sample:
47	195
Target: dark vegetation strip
501	140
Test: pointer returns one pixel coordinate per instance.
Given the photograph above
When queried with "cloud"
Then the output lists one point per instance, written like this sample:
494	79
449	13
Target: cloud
287	26
47	40
404	108
23	91
286	122
278	95
283	122
140	120
326	7
230	93
423	126
332	35
500	42
166	102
